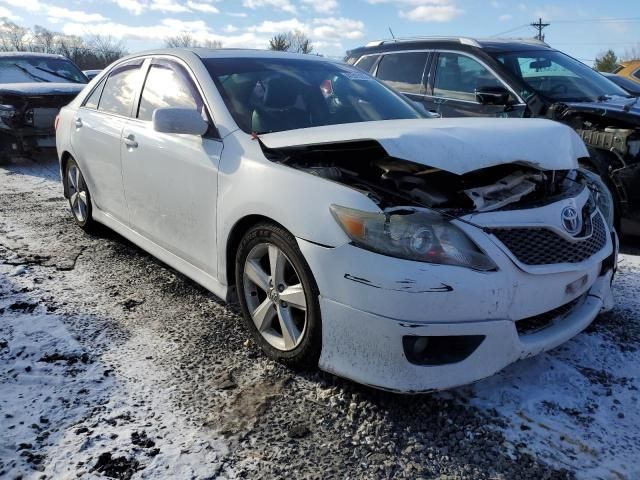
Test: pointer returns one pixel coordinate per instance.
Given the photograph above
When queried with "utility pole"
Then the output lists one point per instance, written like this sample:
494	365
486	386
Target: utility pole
540	26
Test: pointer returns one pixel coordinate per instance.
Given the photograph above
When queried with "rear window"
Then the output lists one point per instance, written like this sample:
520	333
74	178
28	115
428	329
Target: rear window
120	88
403	71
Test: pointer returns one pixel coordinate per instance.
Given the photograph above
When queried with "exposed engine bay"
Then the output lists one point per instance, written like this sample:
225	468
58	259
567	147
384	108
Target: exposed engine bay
390	182
613	137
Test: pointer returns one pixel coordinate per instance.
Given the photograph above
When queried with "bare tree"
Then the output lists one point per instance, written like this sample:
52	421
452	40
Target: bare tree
45	39
294	41
94	52
299	42
632	53
13	37
106	49
182	40
186	40
212	44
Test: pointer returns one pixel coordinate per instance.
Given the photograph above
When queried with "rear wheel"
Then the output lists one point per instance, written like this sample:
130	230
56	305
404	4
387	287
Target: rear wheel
278	296
79	196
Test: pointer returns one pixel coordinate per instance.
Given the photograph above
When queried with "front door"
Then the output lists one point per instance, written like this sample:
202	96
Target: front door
456	79
171	180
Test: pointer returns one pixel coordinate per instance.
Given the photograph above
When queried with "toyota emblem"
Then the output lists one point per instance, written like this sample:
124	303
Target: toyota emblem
571	220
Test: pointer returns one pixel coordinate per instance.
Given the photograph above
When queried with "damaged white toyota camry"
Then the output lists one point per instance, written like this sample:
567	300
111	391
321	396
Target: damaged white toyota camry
402	252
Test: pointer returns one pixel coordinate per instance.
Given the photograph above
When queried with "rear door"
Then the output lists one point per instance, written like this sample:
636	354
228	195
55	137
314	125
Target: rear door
452	89
96	135
171	180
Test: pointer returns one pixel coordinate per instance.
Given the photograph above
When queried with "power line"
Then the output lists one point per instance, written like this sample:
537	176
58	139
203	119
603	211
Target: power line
601	20
526	25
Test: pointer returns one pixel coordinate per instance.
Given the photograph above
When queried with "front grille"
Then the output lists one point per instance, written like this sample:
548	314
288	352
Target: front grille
530	325
542	246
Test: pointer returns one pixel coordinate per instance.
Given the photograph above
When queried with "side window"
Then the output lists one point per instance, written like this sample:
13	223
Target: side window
365	63
92	100
403	71
636	74
120	88
458	77
168	85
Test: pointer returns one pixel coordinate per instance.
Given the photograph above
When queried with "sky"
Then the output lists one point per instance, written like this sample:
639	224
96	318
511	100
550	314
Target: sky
582	28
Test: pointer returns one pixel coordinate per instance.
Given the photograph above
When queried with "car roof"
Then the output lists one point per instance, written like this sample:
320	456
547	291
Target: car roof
205	53
487	44
31	55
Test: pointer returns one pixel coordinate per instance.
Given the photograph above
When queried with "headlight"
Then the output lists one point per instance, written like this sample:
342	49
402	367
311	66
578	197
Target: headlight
601	194
411	234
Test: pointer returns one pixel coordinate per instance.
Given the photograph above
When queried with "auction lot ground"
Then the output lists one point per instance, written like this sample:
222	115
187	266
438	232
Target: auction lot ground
113	364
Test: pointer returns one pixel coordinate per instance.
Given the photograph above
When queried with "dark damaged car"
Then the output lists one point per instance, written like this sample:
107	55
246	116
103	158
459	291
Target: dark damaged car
464	77
33	88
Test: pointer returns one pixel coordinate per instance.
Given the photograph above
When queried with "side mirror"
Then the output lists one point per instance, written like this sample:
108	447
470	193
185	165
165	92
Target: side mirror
186	121
493	95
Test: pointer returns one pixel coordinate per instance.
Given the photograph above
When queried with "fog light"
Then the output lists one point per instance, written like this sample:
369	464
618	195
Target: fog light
440	350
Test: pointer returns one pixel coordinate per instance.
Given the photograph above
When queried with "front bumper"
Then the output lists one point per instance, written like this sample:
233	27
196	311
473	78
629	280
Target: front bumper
370	302
367	348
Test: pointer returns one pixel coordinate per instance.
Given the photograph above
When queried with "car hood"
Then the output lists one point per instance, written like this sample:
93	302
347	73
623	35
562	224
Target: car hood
618	108
457	145
43	88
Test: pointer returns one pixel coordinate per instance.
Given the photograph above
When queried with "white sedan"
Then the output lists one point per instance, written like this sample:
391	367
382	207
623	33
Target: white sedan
399	251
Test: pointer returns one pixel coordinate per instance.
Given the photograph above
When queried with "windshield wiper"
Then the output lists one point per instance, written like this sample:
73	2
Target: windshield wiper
59	75
26	70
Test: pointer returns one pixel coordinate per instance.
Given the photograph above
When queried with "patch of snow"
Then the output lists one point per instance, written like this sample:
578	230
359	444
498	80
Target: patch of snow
69	412
578	406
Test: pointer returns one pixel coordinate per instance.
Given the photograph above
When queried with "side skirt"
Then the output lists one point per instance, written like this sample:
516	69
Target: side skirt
194	273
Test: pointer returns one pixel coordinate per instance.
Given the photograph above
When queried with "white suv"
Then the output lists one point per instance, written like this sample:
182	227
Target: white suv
402	252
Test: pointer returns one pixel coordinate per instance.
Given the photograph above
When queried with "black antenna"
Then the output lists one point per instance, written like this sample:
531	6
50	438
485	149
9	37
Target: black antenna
540	26
391	32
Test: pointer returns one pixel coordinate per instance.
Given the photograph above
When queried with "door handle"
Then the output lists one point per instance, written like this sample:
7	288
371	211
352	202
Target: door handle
435	113
78	122
130	141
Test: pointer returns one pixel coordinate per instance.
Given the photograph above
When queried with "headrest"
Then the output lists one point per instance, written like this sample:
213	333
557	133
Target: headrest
281	92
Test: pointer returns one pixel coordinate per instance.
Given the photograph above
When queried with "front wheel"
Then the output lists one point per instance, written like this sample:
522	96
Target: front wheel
79	196
278	296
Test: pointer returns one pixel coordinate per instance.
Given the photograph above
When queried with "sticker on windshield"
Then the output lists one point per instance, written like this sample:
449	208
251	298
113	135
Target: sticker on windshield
357	76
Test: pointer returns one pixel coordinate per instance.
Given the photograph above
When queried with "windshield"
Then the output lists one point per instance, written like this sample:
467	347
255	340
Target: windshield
39	69
272	95
558	76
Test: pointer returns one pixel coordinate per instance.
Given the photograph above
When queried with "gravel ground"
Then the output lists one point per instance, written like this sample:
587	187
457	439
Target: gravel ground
148	375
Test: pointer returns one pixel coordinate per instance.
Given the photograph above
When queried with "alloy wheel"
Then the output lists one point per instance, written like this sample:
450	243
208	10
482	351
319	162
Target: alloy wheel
77	193
275	296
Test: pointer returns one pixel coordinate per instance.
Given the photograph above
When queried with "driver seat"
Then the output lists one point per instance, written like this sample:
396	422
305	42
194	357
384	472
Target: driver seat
281	108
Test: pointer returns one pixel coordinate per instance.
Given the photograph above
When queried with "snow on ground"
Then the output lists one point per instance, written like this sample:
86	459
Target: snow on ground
578	406
66	413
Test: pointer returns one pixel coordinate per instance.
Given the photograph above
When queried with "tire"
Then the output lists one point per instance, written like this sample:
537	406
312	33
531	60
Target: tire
79	196
270	299
614	193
